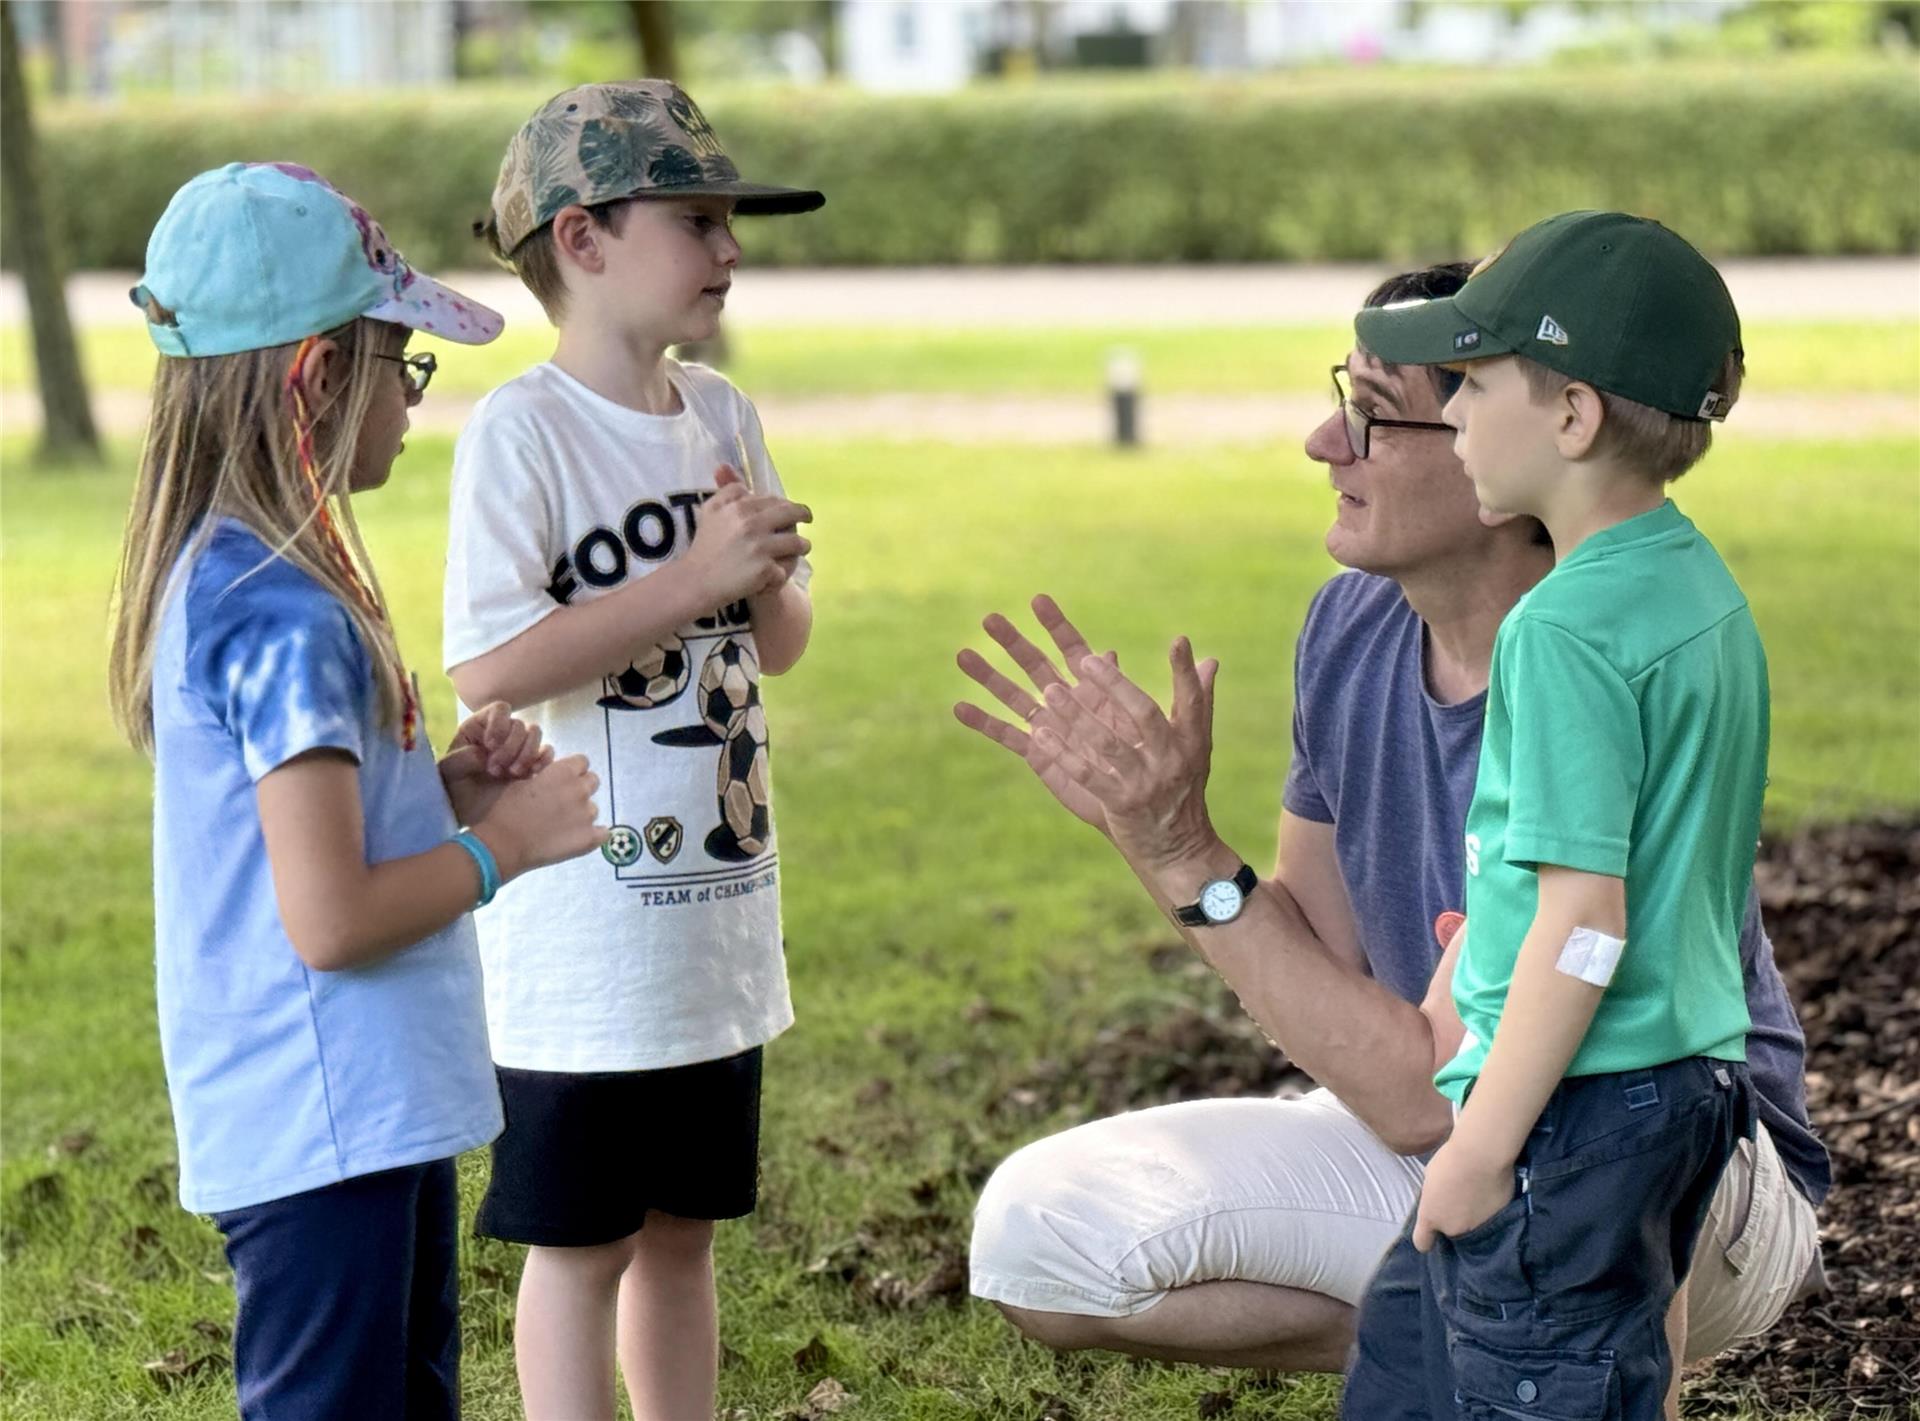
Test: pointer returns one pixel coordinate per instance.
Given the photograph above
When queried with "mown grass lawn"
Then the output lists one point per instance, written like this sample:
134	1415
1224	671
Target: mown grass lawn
924	874
1815	357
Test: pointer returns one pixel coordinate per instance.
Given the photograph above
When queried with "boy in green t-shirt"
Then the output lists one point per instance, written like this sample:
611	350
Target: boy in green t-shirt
1596	999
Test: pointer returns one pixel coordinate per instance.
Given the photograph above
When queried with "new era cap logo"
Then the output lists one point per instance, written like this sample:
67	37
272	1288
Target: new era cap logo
1466	340
1550	331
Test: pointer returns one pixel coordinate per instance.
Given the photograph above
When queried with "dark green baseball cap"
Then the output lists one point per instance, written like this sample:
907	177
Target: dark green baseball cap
1613	300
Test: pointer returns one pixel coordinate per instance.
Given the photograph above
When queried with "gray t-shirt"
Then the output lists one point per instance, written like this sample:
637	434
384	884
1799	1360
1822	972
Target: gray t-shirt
1393	770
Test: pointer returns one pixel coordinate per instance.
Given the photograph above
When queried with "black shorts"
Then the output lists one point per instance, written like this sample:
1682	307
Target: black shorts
585	1154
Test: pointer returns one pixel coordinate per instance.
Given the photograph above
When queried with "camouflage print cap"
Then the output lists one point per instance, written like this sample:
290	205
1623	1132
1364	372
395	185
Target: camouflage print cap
634	138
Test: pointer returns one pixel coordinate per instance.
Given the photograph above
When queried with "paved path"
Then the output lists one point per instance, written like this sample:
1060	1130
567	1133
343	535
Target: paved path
1866	288
1059	297
1053	420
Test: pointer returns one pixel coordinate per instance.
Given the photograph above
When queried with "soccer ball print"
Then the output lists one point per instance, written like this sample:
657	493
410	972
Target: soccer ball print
622	848
729	684
744	787
657	677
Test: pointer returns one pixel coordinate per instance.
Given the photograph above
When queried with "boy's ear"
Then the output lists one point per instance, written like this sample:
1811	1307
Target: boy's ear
576	239
1578	414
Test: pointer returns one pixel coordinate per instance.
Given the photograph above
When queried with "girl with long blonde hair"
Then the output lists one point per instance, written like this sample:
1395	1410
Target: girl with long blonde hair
315	867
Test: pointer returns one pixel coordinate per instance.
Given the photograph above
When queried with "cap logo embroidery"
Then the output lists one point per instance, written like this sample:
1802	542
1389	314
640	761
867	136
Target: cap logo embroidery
1715	405
1466	340
1550	331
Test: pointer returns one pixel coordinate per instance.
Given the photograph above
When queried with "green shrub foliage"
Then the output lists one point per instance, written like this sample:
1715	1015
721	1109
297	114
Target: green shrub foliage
1812	158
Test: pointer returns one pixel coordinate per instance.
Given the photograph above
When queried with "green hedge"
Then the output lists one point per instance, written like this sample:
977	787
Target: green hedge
1804	158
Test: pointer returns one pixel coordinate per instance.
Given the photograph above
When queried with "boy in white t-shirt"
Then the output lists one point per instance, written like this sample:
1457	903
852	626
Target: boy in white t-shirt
623	564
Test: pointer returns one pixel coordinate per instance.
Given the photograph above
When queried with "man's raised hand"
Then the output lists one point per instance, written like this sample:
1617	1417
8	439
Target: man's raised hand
1147	771
1027	708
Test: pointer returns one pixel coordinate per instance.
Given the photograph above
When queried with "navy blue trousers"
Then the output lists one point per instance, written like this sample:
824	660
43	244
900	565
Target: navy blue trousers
349	1300
1555	1308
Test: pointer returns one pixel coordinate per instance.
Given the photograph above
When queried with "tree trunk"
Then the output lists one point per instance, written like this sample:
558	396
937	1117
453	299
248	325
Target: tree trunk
54	15
67	428
829	11
653	24
660	59
462	29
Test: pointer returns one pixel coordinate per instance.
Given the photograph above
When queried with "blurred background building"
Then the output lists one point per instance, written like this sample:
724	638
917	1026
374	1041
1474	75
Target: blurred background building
115	48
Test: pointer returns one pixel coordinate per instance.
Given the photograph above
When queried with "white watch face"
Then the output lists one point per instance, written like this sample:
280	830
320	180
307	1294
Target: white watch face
1221	900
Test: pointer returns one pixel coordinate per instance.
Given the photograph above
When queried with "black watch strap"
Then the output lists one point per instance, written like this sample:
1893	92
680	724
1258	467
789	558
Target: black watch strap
1191	915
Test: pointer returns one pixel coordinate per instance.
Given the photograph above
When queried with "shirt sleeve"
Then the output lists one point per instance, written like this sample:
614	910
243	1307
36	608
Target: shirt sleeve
283	670
1301	794
500	543
766	478
1576	756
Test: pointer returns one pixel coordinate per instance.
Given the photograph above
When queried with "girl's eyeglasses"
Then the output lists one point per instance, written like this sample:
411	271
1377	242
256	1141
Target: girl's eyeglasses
419	369
1360	424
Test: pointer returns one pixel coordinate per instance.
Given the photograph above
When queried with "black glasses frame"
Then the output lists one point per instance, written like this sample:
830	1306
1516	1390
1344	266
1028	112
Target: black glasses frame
419	369
1360	424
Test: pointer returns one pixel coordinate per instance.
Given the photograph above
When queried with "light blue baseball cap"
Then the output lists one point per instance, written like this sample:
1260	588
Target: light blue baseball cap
263	254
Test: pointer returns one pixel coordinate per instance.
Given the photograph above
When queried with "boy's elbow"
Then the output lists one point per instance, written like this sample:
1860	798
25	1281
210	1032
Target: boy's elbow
783	653
478	684
779	660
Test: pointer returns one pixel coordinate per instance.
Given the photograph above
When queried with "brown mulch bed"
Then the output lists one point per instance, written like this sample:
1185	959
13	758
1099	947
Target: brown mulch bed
1843	906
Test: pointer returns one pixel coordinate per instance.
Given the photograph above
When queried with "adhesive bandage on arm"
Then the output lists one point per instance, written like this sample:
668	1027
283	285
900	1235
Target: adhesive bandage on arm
1591	956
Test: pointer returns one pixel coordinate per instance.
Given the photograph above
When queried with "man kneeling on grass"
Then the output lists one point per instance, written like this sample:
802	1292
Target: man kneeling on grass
1244	1232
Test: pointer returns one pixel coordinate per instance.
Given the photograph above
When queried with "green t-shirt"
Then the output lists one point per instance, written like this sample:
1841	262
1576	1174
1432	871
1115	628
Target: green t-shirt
1626	734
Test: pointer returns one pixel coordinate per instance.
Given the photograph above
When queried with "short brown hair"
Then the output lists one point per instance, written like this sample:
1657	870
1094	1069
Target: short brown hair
1661	445
1426	284
534	260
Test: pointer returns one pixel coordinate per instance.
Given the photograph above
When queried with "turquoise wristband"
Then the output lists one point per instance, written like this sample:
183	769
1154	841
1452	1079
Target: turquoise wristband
483	860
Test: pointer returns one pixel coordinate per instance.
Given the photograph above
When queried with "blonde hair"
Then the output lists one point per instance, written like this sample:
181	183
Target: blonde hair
1660	445
222	442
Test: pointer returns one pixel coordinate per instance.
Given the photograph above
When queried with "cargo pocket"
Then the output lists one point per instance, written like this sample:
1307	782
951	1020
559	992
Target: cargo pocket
1604	1220
1534	1386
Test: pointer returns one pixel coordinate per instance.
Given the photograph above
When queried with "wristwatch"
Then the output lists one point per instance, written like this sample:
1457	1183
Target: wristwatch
1219	902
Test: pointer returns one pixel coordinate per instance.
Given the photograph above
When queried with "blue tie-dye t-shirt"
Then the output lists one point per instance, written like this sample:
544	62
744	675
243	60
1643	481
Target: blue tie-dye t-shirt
283	1078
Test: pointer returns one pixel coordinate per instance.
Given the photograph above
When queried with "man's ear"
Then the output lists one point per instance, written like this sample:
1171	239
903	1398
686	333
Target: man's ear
576	238
1579	413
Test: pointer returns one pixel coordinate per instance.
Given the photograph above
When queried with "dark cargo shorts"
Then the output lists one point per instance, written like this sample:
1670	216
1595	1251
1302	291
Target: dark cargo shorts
1554	1309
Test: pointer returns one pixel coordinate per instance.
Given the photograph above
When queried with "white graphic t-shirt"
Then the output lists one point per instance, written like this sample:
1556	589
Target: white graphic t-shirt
663	949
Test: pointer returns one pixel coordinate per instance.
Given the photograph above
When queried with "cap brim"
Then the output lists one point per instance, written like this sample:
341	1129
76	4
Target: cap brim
426	305
750	199
1431	332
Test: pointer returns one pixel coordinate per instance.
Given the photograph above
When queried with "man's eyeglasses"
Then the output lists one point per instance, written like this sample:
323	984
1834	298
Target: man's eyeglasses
1360	424
419	369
